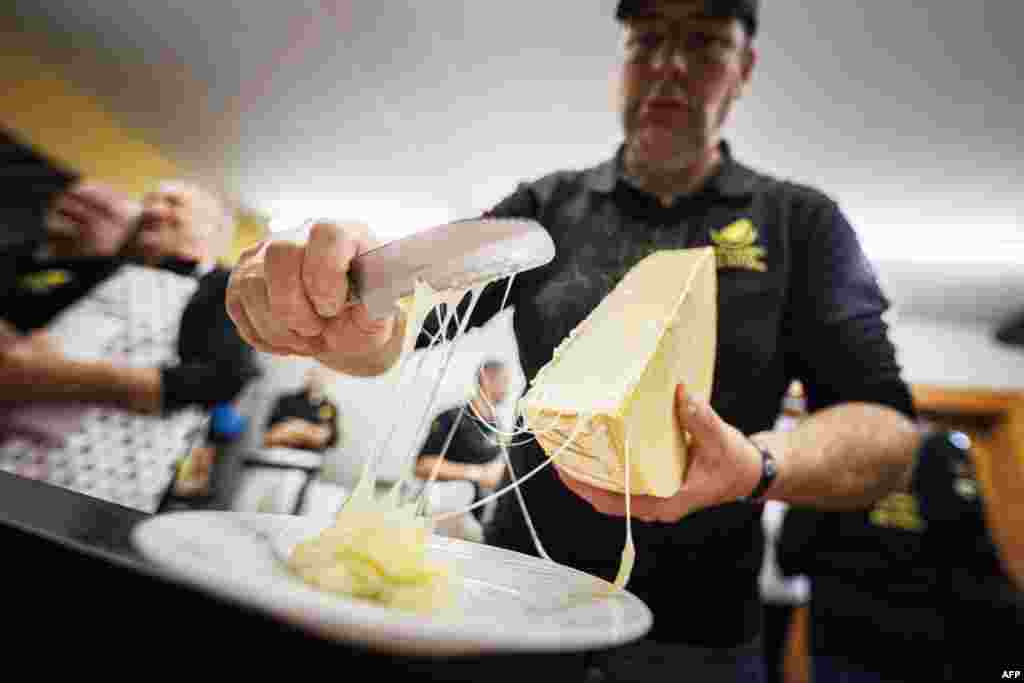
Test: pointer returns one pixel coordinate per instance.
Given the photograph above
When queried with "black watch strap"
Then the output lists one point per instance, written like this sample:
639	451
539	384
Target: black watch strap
769	470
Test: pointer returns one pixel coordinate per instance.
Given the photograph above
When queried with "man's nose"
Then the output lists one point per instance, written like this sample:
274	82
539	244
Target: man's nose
154	211
670	59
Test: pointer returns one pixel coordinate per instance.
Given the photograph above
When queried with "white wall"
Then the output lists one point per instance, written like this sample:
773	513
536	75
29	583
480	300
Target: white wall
956	354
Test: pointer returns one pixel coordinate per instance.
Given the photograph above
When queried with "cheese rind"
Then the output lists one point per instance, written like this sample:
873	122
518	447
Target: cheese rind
618	371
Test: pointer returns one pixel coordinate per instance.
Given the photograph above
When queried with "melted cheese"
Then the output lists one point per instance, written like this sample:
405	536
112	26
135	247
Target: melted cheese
377	547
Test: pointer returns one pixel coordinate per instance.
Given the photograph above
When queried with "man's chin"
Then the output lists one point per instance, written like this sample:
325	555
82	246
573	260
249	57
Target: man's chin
661	148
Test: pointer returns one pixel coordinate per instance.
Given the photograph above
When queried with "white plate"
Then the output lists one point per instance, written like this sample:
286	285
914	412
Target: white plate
510	602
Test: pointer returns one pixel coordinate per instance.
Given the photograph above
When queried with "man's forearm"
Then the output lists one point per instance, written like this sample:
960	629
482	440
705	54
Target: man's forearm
845	457
373	364
134	389
297	433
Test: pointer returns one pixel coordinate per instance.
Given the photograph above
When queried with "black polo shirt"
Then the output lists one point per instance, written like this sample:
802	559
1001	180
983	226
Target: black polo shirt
214	363
797	299
472	443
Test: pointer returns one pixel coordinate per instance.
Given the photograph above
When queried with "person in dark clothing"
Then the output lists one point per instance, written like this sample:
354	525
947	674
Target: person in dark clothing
473	452
306	419
918	573
49	220
971	500
53	392
797	299
29	184
873	590
214	363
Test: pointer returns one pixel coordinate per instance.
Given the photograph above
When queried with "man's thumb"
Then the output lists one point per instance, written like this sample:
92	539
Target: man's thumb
695	416
9	335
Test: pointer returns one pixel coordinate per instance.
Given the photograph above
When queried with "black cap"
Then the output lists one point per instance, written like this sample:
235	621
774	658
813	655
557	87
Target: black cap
744	10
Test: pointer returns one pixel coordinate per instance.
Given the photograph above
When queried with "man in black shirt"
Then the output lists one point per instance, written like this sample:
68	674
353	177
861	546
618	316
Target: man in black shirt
473	453
305	419
797	300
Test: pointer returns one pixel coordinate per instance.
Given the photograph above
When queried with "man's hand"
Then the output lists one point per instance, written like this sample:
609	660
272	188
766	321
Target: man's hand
723	467
288	298
297	433
491	473
9	336
36	351
91	219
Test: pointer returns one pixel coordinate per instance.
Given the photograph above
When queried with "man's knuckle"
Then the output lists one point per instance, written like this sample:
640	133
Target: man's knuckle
326	233
277	252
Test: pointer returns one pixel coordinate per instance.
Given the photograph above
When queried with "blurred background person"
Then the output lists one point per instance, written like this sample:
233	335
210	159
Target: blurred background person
150	338
306	419
62	234
920	573
182	230
471	433
972	503
873	591
29	184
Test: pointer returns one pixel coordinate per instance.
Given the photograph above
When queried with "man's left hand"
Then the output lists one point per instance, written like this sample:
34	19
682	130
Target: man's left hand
722	466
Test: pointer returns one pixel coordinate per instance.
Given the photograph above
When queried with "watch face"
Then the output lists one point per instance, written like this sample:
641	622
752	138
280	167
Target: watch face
944	480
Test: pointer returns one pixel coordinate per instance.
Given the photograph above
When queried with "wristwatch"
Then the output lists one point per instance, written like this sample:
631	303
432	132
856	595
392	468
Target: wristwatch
945	483
769	470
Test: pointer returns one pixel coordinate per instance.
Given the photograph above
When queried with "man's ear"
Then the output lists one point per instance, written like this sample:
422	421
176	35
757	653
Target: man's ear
749	63
615	86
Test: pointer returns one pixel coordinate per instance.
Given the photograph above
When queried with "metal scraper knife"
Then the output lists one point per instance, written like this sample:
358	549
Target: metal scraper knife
455	255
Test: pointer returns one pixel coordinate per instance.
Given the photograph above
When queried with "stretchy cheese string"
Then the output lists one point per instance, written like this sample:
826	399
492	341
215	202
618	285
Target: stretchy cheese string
384	444
425	418
515	484
628	558
377	547
363	515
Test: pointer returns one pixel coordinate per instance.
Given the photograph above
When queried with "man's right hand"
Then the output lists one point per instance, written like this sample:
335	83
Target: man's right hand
288	298
91	218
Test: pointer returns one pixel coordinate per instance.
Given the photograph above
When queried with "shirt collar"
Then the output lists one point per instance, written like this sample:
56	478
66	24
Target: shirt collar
732	179
186	267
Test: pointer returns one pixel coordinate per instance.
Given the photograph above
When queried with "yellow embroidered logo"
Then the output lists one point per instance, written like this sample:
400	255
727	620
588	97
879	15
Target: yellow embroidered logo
898	510
326	412
735	246
45	280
